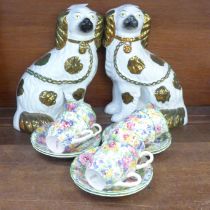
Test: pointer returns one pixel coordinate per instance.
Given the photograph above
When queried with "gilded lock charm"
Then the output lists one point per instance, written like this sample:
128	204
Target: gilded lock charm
73	65
162	94
135	65
127	48
83	47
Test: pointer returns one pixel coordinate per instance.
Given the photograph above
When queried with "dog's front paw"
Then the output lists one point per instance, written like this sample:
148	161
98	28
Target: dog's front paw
118	117
111	108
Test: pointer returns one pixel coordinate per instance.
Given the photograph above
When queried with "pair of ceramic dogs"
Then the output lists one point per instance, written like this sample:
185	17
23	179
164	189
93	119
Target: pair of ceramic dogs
63	74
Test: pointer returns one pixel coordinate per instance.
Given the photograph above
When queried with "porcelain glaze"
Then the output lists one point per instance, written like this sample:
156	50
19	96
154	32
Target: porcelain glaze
113	163
64	73
139	77
77	172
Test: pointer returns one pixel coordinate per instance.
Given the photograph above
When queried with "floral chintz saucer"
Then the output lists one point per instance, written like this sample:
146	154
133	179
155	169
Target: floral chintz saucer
77	173
38	142
159	145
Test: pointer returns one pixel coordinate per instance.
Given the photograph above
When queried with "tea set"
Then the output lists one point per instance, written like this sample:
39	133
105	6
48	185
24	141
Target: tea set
74	131
147	101
88	177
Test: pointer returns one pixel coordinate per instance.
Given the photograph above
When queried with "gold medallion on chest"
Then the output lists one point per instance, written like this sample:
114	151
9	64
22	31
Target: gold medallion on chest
73	65
135	65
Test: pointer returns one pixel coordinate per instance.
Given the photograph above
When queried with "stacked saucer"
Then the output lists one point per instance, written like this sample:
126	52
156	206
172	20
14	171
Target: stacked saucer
121	166
71	134
159	145
38	140
147	125
111	170
78	174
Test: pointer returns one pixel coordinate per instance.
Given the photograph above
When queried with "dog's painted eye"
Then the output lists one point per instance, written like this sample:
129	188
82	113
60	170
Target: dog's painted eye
77	16
139	14
92	16
123	14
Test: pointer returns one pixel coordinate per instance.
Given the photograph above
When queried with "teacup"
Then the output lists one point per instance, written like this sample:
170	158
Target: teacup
80	109
133	130
144	125
158	119
114	163
61	134
127	136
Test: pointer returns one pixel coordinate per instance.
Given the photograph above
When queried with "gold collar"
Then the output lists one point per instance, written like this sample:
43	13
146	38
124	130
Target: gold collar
126	39
83	45
78	42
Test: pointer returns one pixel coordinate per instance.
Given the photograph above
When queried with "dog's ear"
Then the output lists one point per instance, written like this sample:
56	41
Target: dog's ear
61	30
99	30
145	29
110	28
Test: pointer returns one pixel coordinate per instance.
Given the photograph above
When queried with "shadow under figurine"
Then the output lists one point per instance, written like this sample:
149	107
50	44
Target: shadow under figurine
62	74
139	77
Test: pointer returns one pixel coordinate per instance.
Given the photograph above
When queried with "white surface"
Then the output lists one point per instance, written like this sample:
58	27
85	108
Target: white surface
152	72
54	69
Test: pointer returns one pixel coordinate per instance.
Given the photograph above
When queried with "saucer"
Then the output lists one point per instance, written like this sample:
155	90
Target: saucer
77	171
159	145
38	143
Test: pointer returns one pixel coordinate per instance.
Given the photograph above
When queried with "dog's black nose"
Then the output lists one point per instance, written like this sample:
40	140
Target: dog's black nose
130	22
86	25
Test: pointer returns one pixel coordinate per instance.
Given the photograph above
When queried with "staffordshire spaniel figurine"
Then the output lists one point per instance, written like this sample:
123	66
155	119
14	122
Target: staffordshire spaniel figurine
139	77
63	73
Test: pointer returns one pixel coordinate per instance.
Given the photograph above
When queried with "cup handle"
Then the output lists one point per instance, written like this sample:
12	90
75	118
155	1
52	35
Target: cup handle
98	127
129	184
88	134
144	165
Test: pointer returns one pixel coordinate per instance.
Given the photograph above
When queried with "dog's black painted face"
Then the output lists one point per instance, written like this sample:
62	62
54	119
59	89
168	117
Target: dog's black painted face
130	22
86	25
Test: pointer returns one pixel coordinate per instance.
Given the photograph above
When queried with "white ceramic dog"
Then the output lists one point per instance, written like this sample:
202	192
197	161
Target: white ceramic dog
139	77
64	73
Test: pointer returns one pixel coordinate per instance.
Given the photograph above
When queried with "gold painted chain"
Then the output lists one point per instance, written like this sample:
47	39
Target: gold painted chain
79	42
124	39
60	82
133	81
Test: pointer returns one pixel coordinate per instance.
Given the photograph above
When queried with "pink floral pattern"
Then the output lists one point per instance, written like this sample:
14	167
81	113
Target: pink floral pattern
159	121
140	129
76	118
71	107
86	159
77	172
81	109
39	139
113	160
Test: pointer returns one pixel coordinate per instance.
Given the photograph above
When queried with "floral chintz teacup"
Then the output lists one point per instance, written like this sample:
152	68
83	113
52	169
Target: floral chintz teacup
159	121
113	163
74	125
144	125
62	134
81	109
133	130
